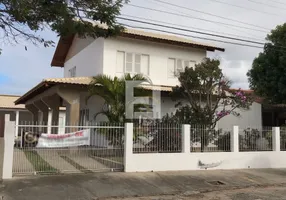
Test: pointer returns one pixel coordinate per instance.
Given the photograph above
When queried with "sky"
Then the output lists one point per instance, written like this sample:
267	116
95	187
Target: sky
21	69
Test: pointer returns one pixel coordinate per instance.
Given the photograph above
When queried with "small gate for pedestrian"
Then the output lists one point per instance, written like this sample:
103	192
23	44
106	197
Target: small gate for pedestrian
83	149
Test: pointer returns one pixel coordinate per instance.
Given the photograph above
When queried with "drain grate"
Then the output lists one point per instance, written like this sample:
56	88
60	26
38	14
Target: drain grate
216	182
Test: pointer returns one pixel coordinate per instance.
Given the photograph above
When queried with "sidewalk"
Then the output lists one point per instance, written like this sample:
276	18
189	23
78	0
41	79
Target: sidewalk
99	185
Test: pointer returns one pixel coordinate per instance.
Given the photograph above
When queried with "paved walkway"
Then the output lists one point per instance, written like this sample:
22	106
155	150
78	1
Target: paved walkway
53	158
263	193
107	185
88	163
21	165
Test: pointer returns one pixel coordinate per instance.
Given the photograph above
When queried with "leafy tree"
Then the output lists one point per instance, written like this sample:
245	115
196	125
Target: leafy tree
20	19
112	90
267	75
209	99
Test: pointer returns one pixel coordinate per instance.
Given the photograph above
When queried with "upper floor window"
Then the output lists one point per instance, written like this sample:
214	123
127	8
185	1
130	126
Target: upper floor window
132	63
72	72
176	66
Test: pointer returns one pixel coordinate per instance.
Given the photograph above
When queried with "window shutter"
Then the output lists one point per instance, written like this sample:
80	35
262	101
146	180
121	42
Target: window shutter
129	63
145	64
179	66
137	63
171	67
186	64
120	61
192	64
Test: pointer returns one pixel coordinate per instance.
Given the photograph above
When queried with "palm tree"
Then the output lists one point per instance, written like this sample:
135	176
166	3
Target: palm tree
112	90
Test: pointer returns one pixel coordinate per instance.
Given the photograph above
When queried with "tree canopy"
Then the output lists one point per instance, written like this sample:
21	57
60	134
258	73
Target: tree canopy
206	95
19	20
267	77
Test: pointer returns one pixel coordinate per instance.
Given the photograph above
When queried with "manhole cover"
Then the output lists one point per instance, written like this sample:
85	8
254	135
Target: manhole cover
216	182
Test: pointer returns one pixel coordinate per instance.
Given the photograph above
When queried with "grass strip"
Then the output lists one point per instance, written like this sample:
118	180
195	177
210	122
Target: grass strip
76	165
111	162
40	165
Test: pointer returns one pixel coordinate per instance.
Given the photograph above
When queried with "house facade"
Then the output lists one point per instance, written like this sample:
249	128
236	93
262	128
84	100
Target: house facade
155	55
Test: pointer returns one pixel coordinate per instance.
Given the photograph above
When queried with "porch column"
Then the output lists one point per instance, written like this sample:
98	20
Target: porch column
72	97
17	123
45	114
54	103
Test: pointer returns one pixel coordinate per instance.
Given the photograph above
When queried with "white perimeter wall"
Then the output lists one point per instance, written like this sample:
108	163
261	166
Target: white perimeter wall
158	53
189	161
88	61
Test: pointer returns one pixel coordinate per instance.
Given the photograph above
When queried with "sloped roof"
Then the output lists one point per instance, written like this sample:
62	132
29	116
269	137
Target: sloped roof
65	43
7	102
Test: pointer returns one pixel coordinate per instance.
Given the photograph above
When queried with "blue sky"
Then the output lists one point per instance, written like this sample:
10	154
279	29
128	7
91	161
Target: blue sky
21	70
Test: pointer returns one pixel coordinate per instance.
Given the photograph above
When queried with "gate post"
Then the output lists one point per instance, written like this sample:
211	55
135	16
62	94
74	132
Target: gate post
128	145
9	139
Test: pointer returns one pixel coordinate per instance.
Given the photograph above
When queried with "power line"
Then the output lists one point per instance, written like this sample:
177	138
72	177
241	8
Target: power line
186	35
261	3
192	31
180	11
277	2
188	16
207	13
191	27
246	8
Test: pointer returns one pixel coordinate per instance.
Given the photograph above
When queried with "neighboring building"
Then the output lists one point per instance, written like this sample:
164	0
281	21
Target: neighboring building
22	116
158	56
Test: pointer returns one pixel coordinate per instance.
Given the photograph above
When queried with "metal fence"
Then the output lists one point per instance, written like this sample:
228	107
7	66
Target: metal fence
283	138
255	139
204	139
103	152
157	138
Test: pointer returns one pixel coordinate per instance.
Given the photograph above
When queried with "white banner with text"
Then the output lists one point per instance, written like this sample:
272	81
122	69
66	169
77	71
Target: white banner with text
79	138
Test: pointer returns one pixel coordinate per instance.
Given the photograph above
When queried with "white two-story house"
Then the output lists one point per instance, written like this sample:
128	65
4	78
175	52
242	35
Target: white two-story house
155	55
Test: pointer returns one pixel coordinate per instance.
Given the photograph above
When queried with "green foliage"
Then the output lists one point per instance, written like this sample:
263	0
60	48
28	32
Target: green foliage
20	19
267	75
112	90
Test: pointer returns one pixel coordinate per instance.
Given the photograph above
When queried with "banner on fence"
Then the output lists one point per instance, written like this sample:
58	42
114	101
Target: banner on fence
79	138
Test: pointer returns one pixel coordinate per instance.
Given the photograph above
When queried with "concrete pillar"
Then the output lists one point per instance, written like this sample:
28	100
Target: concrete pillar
276	139
49	122
234	139
54	102
72	98
45	114
17	123
8	149
186	138
128	146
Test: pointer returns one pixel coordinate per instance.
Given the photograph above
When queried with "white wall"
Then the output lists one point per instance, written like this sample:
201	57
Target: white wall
158	54
88	61
249	118
186	160
218	160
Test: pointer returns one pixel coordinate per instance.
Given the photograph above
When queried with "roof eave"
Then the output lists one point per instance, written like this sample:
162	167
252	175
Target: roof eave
65	43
